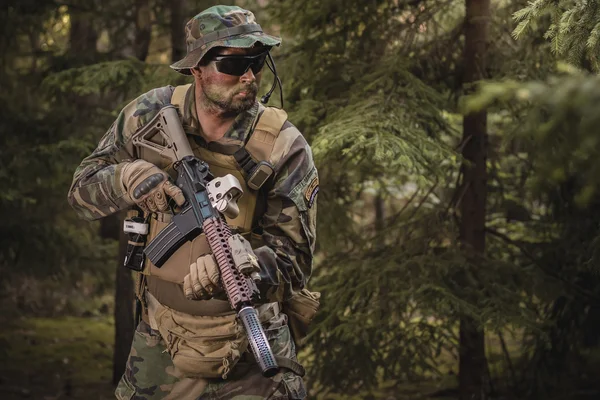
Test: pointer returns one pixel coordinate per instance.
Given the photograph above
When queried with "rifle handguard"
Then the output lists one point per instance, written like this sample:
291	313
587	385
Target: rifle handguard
241	292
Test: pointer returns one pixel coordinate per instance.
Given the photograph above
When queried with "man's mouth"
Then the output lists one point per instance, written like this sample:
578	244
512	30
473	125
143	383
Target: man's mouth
247	92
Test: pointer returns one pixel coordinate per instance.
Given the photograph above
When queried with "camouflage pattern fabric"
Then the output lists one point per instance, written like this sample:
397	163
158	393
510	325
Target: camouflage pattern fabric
150	375
289	222
220	19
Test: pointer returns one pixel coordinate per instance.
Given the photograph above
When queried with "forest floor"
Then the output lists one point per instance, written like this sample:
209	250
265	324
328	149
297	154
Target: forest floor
56	358
71	358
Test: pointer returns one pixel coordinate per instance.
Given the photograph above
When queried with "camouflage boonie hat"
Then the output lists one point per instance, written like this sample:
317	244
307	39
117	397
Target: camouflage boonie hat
226	26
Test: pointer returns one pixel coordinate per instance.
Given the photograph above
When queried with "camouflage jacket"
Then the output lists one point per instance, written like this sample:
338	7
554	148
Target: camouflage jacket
288	224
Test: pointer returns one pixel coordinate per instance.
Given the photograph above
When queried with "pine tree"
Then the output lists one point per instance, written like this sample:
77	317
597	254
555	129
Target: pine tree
374	85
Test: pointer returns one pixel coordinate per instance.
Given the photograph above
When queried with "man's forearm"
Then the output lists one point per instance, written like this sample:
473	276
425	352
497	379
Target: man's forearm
285	268
97	190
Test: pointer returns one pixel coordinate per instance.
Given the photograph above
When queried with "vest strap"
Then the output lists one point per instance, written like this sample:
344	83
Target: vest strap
178	97
271	120
244	160
261	142
254	158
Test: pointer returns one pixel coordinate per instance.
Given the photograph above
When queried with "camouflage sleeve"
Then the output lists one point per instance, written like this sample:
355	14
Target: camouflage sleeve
289	223
96	190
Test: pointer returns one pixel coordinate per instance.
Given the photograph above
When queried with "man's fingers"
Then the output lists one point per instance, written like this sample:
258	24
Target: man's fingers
190	293
212	270
203	275
151	204
194	280
194	290
174	192
160	199
143	207
187	288
204	279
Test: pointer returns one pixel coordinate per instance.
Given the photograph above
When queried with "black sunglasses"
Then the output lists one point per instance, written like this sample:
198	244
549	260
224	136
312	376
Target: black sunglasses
237	65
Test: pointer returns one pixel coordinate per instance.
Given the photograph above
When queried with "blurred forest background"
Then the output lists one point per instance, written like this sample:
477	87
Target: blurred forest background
459	213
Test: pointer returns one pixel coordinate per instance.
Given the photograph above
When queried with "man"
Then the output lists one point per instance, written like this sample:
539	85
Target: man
188	344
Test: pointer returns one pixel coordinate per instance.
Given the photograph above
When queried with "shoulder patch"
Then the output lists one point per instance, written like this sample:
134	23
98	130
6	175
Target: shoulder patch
311	191
304	193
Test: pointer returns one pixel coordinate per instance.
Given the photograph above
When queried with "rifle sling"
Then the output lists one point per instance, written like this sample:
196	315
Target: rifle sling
290	364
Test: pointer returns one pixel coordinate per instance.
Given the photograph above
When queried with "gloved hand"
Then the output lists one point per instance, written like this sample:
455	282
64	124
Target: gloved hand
204	279
149	187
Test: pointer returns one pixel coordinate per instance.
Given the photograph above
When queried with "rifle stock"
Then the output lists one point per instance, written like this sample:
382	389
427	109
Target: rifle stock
164	127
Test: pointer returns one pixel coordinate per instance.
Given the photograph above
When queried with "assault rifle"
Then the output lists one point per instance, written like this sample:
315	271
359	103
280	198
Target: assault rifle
207	199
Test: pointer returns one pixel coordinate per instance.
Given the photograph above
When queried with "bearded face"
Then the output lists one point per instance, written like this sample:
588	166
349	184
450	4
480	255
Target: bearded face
226	97
228	94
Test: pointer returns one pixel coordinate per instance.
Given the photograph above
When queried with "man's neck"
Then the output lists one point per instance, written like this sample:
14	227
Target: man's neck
214	124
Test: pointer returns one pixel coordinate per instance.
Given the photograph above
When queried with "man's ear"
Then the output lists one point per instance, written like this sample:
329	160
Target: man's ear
196	72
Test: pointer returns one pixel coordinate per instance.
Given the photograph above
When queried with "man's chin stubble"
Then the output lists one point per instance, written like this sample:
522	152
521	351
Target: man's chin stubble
231	107
244	105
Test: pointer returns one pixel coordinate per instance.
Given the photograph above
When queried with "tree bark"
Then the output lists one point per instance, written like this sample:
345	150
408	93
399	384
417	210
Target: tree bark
472	360
82	36
379	205
178	47
143	29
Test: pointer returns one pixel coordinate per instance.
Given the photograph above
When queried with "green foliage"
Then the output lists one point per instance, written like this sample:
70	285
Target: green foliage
389	124
400	317
37	169
124	78
55	109
374	87
559	130
574	29
60	294
552	124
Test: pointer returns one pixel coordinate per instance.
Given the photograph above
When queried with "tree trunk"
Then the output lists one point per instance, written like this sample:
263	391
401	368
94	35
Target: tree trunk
178	16
472	360
379	205
123	313
82	51
143	29
82	36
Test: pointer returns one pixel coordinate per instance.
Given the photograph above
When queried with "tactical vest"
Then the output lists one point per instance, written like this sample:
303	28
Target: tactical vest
165	282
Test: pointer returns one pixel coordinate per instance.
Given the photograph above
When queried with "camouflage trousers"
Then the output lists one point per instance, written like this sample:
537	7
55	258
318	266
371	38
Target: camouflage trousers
150	374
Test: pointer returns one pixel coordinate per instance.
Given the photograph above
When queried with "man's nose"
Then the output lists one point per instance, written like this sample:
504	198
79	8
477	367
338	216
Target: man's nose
248	76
